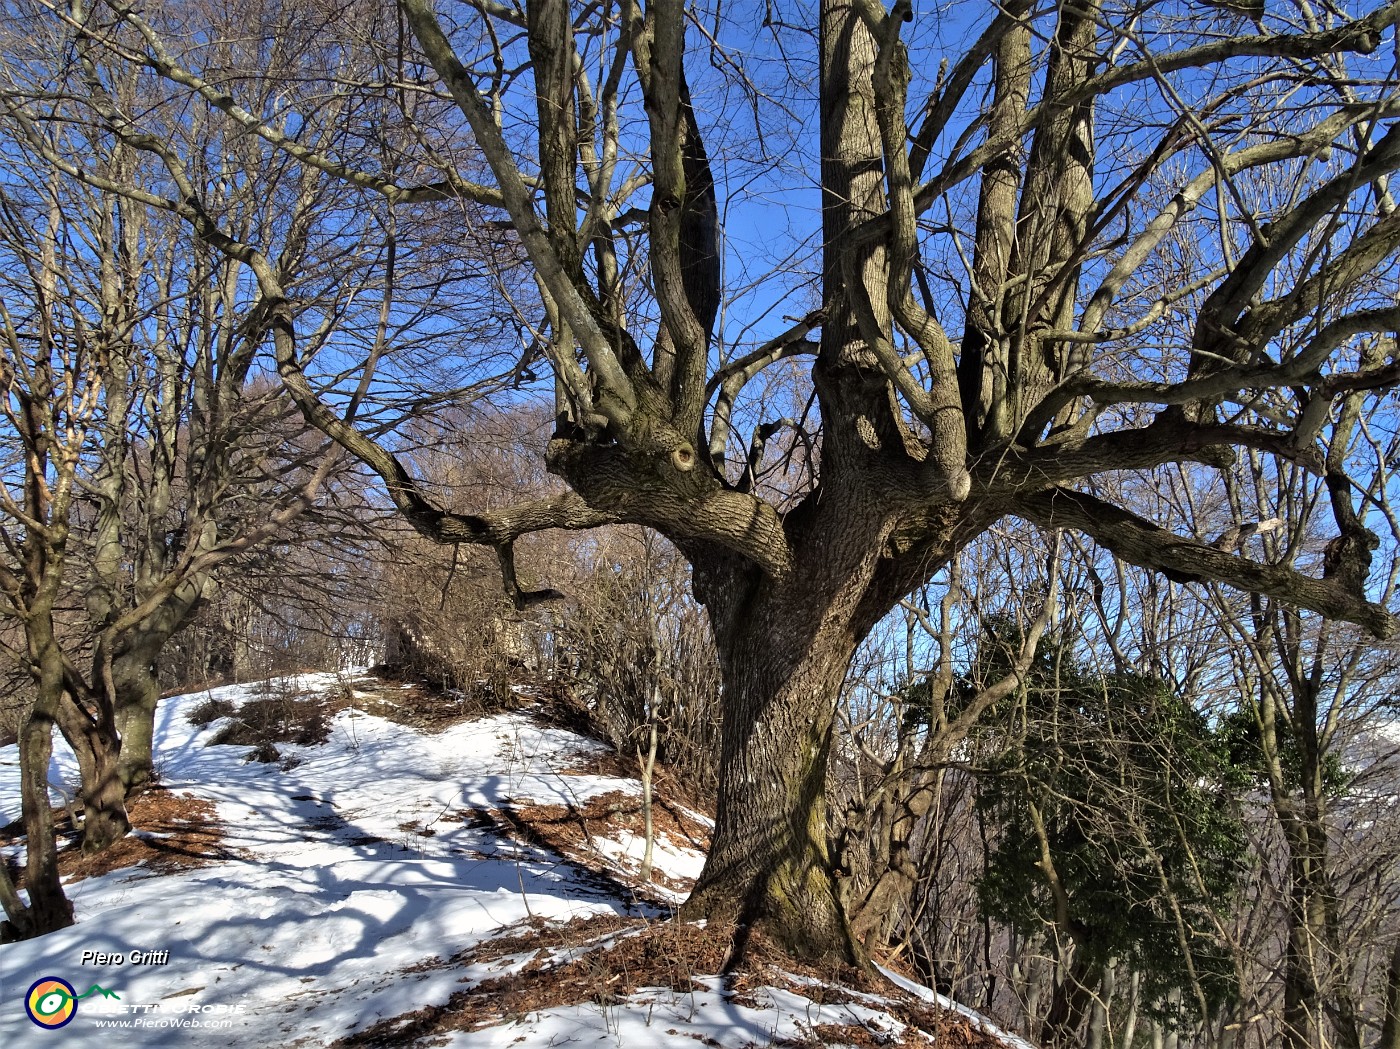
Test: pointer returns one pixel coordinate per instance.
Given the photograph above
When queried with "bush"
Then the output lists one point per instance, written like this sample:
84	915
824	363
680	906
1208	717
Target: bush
210	710
261	723
264	752
637	650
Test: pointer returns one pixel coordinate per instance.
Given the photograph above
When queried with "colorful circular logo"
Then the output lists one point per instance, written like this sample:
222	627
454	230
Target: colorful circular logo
51	1002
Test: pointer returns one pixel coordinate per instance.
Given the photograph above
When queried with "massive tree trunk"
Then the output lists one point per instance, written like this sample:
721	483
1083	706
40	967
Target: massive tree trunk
783	654
136	688
770	863
784	649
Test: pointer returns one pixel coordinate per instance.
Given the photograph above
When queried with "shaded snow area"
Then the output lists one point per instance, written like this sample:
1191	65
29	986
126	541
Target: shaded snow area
470	885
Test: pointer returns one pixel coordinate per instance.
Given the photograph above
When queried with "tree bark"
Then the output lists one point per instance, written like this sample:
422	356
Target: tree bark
1098	1017
137	694
97	746
1390	1031
135	688
1316	981
784	648
1069	1005
770	863
48	908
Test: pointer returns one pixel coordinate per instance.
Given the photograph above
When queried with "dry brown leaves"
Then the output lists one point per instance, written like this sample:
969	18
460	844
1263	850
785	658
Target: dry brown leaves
666	954
570	829
181	832
629	955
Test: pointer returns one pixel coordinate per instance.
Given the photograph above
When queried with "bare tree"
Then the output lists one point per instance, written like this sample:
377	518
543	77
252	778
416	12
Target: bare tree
186	455
52	386
1013	242
907	736
1306	688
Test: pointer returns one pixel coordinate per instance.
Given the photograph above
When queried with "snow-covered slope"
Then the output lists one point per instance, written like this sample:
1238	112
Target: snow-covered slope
391	885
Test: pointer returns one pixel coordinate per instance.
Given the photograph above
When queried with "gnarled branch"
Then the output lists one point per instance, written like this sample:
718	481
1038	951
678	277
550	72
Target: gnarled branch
1138	541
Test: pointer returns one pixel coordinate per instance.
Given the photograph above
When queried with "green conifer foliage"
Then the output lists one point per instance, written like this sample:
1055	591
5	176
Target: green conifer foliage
1117	827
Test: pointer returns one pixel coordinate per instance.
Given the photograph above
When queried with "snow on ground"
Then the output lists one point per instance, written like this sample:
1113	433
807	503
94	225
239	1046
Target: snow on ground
942	1001
360	868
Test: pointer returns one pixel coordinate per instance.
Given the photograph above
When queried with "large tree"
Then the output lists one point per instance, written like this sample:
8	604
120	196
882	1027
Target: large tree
1056	241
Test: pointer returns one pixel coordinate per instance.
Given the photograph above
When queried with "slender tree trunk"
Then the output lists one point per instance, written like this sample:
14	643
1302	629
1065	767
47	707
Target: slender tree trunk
646	762
1130	1022
1069	1005
876	915
48	908
137	694
1315	978
1028	979
1316	971
1098	1017
1171	1039
95	742
1301	1002
16	910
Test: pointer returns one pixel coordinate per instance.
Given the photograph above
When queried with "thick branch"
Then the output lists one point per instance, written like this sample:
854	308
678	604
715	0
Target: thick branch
1238	290
940	407
1228	381
1140	542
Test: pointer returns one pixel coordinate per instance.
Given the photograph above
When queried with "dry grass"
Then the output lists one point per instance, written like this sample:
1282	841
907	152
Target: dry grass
407	699
667	954
303	717
664	780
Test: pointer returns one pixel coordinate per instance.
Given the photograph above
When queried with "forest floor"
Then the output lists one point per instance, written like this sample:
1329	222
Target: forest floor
340	860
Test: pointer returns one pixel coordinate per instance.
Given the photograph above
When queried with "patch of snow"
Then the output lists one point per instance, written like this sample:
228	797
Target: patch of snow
627	850
357	875
660	1018
932	996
